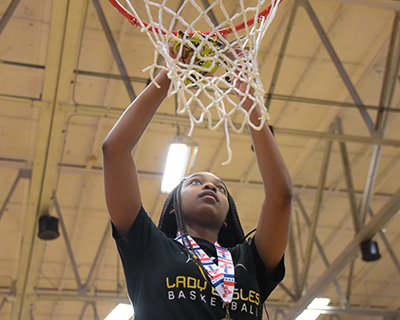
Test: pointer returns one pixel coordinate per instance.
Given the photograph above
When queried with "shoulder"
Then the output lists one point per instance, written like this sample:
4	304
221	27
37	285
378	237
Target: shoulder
142	224
247	253
251	271
143	238
141	235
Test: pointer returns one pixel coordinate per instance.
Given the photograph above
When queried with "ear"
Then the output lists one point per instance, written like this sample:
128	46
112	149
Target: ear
172	211
225	225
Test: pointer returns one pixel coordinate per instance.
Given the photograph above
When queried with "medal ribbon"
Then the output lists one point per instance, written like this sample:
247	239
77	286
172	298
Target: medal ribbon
222	276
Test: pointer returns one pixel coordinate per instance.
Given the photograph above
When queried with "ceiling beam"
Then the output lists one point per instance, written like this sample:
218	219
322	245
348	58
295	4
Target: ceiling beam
343	299
344	155
70	252
156	176
183	121
338	64
47	295
282	50
114	49
22	173
382	218
292	253
172	119
382	4
391	76
388	246
387	92
352	201
210	13
34	102
20	308
64	40
315	214
8	13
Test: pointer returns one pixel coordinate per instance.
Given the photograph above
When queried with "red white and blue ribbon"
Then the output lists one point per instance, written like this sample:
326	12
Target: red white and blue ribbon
222	276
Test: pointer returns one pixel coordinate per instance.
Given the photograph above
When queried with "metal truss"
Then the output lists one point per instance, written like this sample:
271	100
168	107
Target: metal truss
66	30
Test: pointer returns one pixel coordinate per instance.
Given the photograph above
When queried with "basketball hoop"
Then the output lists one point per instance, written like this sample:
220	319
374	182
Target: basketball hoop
135	20
203	83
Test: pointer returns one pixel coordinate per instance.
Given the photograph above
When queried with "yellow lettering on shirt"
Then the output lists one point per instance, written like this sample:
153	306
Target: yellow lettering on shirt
201	287
253	296
181	280
191	283
241	296
186	282
169	286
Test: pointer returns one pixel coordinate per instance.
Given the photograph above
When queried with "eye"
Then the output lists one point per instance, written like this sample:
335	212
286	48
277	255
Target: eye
194	181
221	188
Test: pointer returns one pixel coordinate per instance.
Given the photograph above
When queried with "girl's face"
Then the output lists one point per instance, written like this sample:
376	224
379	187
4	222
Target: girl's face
204	201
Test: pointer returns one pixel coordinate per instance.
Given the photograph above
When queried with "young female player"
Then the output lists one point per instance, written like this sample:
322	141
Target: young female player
195	276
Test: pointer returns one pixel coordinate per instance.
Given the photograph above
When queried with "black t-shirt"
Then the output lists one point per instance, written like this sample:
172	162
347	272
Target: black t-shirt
164	283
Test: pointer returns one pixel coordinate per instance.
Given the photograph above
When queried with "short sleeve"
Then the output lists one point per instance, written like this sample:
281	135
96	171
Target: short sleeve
137	245
267	281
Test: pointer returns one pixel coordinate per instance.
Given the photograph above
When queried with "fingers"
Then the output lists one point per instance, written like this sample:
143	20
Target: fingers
236	53
171	47
176	49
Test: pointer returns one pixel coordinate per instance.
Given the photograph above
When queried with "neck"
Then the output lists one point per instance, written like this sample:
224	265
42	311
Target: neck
202	233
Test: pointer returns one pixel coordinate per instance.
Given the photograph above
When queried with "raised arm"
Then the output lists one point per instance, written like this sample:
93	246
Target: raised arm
273	224
120	174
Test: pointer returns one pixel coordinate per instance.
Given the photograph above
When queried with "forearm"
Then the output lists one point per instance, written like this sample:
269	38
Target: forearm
274	219
130	126
274	173
120	175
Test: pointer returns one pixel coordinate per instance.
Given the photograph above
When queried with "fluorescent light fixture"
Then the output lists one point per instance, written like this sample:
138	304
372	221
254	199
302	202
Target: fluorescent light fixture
121	312
179	157
312	312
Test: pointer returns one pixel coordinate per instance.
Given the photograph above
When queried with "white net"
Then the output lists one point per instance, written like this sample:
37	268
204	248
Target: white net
205	82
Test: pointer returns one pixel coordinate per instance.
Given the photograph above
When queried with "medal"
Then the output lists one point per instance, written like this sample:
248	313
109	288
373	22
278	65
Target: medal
228	317
222	276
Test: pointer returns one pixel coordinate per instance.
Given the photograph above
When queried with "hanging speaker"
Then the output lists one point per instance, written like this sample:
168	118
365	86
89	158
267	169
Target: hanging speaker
369	250
48	227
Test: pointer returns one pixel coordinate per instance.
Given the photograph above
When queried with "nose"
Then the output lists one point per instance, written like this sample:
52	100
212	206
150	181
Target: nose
210	186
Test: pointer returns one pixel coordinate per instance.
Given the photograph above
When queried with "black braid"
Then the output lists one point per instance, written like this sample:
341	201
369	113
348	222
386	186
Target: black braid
167	219
180	221
178	211
234	234
171	219
170	223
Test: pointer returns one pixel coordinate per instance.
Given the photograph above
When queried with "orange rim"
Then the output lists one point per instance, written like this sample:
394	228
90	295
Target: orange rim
135	21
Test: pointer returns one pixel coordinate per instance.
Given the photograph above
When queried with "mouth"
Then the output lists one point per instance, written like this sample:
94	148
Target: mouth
209	194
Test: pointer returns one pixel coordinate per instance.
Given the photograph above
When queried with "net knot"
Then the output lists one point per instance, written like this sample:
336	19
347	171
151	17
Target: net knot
134	21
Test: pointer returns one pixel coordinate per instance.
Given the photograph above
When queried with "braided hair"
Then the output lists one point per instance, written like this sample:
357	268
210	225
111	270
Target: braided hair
172	220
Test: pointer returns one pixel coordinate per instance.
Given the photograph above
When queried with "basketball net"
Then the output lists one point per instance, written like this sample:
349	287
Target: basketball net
205	83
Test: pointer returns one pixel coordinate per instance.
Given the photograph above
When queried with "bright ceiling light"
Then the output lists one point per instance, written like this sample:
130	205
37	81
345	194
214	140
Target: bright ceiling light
121	312
179	160
312	312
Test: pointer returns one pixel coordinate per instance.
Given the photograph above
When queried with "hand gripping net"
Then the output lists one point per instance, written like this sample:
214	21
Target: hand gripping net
207	66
